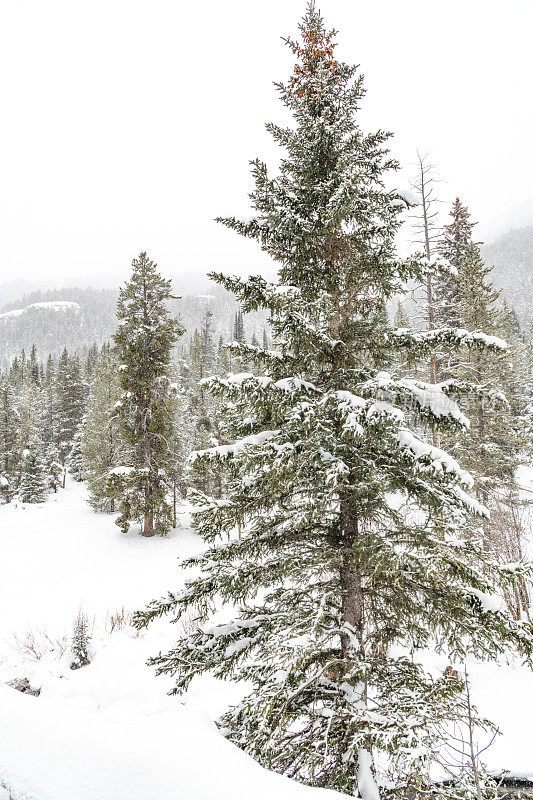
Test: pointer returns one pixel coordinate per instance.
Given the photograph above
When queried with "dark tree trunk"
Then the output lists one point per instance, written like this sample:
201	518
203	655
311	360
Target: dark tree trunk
351	584
148	526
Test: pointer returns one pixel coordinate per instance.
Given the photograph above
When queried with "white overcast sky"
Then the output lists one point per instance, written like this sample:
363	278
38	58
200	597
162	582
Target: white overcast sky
128	126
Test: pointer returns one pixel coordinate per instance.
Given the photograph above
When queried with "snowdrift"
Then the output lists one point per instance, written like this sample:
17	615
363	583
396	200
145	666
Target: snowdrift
51	751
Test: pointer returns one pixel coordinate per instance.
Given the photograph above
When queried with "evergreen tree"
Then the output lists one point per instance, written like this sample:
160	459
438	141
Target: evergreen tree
75	457
33	484
489	450
356	543
102	445
69	402
496	441
144	341
202	408
238	327
456	238
401	319
238	360
34	374
29	418
54	468
15	373
81	640
178	442
91	363
9	455
49	405
223	365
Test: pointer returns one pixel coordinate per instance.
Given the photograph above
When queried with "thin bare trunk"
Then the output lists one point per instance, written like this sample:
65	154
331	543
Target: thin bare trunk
429	287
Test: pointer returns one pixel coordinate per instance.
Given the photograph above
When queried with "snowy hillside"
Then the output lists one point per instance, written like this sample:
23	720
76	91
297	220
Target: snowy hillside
76	318
512	257
108	730
57	305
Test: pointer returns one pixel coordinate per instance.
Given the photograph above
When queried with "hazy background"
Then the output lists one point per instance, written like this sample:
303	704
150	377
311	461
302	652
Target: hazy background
129	125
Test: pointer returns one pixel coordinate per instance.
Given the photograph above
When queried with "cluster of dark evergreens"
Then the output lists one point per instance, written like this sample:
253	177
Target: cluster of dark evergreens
41	409
63	415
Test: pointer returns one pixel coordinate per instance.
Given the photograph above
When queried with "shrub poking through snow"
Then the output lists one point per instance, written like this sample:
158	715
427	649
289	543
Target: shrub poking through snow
118	620
23	685
80	642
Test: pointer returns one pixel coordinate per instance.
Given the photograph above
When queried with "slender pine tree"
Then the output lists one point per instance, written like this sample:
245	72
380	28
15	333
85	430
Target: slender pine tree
456	238
70	393
9	454
102	445
144	341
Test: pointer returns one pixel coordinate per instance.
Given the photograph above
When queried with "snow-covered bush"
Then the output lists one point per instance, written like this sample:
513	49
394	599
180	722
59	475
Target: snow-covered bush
80	642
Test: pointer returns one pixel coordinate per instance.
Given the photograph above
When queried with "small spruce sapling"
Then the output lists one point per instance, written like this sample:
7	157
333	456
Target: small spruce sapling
80	642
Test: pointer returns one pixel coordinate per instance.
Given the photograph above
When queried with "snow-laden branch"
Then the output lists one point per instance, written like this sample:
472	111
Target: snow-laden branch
227	450
426	396
452	337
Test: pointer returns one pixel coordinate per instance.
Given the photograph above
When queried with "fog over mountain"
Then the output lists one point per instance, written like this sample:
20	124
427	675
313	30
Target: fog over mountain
512	257
76	317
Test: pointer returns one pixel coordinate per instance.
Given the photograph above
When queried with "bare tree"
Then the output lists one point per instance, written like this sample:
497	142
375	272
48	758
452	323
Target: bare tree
427	233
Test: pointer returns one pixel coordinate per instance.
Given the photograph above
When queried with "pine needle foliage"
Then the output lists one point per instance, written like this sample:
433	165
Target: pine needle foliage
356	547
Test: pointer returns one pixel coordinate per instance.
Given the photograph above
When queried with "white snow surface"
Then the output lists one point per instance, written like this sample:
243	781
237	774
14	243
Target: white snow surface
108	731
366	783
50	305
60	751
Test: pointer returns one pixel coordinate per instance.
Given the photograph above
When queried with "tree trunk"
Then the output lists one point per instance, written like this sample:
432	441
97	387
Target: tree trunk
174	504
148	526
351	586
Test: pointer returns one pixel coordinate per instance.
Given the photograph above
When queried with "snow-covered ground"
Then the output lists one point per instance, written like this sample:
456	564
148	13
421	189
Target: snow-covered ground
109	730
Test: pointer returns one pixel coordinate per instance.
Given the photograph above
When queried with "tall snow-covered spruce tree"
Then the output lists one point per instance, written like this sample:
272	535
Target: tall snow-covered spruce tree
144	341
358	541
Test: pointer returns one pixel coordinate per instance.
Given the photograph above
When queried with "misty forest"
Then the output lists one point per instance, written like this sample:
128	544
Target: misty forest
271	535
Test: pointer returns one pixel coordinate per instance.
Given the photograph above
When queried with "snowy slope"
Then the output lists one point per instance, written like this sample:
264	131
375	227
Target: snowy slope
109	730
50	751
62	556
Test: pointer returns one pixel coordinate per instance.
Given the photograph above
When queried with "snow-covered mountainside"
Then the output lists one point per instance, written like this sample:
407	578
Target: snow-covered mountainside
89	316
109	729
512	257
52	305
